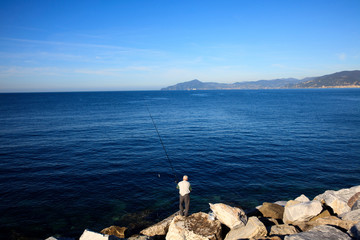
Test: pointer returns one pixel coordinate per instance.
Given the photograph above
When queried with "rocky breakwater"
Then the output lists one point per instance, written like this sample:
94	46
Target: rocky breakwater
331	215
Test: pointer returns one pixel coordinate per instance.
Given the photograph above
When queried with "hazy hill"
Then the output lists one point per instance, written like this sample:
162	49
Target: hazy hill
339	79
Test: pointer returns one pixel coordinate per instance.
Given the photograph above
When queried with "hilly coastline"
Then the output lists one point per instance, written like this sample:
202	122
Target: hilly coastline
344	79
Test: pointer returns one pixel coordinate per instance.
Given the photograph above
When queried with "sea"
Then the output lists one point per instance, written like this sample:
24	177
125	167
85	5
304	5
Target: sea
88	160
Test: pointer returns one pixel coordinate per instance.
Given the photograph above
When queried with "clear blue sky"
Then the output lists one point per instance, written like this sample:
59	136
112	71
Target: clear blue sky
60	45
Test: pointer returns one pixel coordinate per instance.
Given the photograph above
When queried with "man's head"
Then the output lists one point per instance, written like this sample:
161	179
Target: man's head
185	178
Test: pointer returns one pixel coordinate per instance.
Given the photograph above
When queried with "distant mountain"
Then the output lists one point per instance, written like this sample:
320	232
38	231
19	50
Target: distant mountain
340	79
335	80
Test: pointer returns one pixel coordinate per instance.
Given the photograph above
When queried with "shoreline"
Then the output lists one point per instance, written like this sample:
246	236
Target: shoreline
287	220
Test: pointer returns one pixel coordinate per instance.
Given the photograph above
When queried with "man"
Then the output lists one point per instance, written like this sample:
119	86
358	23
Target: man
184	191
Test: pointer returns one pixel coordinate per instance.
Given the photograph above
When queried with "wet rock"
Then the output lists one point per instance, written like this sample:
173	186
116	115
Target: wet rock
321	232
272	210
354	231
301	211
197	226
253	229
338	200
356	206
160	228
282	230
351	216
353	199
302	198
114	231
230	216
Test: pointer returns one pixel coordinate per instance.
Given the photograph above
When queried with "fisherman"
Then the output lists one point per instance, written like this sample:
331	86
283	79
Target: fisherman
184	191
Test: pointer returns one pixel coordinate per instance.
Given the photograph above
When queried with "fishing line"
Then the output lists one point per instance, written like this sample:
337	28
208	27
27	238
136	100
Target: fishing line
167	156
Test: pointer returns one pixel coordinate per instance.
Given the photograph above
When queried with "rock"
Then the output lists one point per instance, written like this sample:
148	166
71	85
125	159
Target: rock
281	203
90	235
291	203
302	198
283	229
356	206
338	200
140	237
333	221
351	216
272	210
353	199
195	227
321	232
301	211
114	231
230	216
253	229
323	214
354	232
160	228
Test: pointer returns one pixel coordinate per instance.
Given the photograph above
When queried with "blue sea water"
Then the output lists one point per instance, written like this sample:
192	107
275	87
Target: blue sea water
70	161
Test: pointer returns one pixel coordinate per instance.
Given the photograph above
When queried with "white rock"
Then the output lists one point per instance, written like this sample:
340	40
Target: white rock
320	232
302	198
253	229
355	231
301	211
230	216
351	216
198	226
90	235
281	203
160	228
338	200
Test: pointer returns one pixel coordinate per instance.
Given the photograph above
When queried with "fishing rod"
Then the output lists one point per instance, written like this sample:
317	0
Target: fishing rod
167	156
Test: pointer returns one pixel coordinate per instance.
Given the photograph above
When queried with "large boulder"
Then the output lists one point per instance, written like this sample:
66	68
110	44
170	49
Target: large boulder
114	231
302	198
333	221
253	229
353	199
321	232
197	226
301	211
230	216
354	232
323	214
351	216
272	210
338	200
283	229
160	228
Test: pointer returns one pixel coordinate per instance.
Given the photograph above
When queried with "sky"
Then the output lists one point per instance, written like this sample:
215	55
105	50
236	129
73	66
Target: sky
60	45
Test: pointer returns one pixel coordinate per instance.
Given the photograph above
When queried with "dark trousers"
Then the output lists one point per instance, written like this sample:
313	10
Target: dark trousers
185	199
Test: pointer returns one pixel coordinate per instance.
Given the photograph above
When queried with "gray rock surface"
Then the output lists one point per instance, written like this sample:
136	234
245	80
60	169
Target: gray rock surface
356	206
351	216
253	229
354	232
319	233
230	216
301	211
